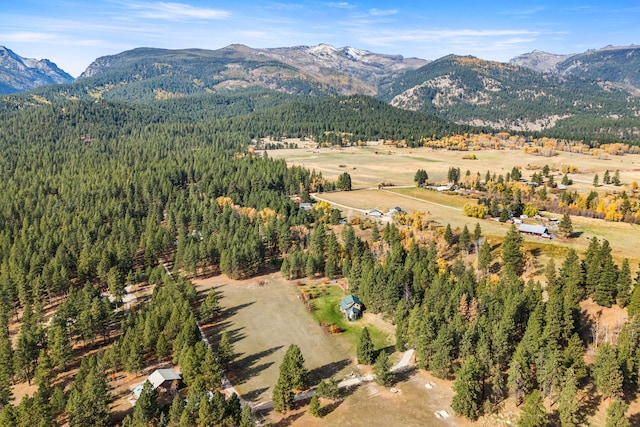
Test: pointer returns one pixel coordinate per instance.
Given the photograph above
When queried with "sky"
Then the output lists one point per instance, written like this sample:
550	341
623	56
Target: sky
72	33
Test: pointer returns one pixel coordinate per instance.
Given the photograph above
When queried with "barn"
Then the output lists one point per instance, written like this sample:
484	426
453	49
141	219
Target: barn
534	230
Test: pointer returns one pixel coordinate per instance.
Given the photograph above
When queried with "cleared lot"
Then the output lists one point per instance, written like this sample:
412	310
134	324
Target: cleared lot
263	320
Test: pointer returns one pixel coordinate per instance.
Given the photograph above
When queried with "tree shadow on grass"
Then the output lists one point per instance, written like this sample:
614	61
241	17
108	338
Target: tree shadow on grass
289	419
404	375
327	371
247	367
327	409
230	311
253	395
253	371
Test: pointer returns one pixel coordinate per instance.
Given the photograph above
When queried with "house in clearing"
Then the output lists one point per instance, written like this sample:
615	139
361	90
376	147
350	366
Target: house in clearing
374	213
163	380
351	307
534	230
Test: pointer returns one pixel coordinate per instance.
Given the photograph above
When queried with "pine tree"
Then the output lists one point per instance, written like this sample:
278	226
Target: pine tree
606	179
420	177
484	256
520	380
226	352
314	407
616	414
246	417
283	396
365	350
382	369
146	407
448	235
477	234
468	389
596	181
616	178
634	303
209	307
565	227
568	407
465	239
624	284
512	256
533	413
375	232
176	409
606	372
606	284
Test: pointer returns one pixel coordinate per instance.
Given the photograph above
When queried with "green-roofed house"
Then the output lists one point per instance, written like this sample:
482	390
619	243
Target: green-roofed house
351	307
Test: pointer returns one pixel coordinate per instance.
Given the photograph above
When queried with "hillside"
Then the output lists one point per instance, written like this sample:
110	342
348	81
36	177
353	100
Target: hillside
588	97
504	96
619	65
18	74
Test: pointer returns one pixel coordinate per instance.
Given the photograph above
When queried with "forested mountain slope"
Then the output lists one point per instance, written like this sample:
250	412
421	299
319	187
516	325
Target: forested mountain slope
473	91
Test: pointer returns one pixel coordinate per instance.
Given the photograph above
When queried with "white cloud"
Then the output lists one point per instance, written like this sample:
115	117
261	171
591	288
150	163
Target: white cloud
340	5
379	12
25	37
427	36
530	11
176	11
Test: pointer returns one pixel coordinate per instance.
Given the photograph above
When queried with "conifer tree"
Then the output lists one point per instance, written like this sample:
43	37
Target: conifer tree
533	413
565	227
448	234
468	389
314	406
568	406
512	256
365	350
226	352
624	284
606	371
616	414
382	369
246	417
420	177
484	256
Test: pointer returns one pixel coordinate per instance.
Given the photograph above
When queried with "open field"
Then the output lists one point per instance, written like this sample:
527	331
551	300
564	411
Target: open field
263	320
621	236
373	164
412	405
376	163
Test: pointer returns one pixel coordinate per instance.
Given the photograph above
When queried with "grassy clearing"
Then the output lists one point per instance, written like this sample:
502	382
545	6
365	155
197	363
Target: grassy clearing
263	321
326	309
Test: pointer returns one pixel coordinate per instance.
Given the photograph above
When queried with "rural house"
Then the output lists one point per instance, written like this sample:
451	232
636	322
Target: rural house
163	380
534	230
351	307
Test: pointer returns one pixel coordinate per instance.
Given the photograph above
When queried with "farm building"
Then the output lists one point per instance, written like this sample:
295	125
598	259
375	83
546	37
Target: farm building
162	380
351	307
448	187
394	211
534	230
375	213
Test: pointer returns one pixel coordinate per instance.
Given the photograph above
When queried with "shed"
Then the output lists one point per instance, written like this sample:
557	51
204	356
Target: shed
161	380
351	307
534	230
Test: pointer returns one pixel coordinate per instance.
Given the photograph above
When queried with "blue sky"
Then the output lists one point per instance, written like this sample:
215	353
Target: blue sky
72	33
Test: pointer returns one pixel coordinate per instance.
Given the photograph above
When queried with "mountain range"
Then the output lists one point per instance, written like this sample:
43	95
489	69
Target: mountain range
18	74
580	94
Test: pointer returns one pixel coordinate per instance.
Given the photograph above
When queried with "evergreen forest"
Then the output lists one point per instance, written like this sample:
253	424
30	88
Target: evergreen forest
99	195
